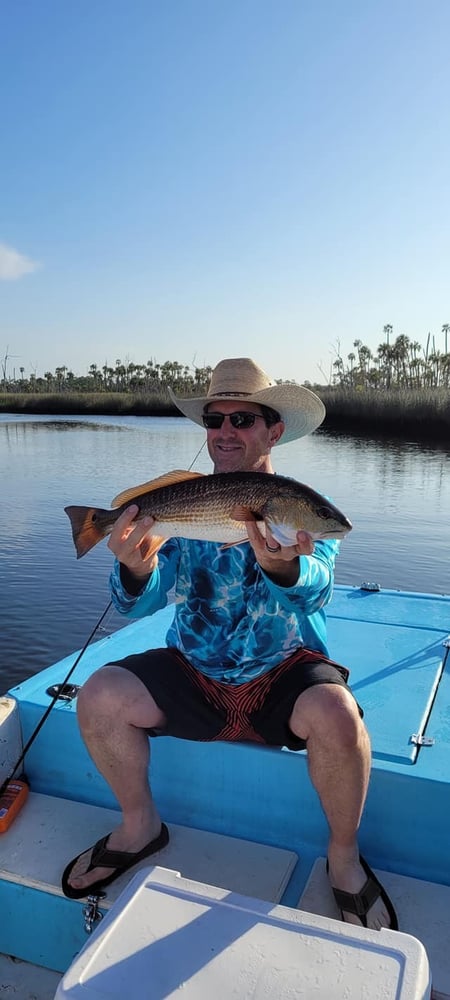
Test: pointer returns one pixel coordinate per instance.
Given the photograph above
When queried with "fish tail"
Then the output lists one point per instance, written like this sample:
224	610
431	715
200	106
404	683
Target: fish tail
88	527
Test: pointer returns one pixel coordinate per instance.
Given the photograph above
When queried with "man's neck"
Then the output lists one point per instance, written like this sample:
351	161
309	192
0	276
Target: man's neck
266	465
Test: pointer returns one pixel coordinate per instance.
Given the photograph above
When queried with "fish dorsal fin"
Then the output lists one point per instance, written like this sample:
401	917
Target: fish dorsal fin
168	479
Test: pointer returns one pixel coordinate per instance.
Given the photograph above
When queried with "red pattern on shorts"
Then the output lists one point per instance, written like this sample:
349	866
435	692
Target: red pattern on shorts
241	700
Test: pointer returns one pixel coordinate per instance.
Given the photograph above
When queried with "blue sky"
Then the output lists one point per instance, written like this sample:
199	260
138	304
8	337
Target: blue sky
193	179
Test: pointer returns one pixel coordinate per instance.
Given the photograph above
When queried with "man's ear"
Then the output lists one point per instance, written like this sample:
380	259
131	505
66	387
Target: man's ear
276	432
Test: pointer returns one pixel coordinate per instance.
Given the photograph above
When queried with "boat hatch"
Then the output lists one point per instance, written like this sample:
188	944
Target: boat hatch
395	650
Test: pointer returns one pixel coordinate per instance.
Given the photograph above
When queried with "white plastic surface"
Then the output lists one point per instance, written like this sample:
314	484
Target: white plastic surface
49	831
166	936
10	736
423	910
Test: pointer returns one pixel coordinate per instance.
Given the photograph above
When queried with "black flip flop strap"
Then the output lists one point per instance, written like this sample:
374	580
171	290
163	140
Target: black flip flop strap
103	858
358	903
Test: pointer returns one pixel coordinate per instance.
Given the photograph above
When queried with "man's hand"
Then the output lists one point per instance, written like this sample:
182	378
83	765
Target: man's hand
129	543
279	562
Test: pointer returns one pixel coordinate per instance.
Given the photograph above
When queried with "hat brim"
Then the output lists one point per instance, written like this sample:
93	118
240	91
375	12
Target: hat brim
300	409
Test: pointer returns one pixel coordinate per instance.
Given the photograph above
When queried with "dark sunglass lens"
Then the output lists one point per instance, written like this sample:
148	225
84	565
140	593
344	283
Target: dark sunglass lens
212	421
240	419
243	420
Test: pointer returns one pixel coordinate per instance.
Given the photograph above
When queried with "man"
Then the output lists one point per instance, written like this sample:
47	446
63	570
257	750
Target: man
246	655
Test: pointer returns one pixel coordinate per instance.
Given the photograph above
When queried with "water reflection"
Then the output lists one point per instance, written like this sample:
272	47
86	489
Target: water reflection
396	494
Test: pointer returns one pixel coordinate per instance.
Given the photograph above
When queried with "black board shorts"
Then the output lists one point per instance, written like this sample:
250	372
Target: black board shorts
196	707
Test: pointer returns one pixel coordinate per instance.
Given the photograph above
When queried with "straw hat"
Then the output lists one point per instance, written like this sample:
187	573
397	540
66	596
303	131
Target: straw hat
243	380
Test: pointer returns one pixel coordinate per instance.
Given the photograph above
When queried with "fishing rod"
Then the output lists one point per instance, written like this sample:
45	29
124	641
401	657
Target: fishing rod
58	689
10	799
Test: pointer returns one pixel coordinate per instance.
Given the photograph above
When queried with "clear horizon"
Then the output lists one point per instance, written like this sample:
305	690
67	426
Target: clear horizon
193	181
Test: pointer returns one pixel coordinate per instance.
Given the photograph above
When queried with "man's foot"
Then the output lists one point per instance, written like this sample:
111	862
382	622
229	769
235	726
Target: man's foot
96	868
360	897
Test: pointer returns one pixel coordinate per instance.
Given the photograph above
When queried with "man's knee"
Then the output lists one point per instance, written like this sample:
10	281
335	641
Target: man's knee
104	690
328	712
116	694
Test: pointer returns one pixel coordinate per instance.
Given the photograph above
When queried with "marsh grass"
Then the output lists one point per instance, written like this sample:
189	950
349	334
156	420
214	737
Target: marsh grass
85	403
421	413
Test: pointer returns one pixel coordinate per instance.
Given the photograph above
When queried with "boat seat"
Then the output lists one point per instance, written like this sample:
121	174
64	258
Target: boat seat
422	908
49	831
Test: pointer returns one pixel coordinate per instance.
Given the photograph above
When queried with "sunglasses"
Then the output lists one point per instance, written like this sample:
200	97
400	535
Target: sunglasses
240	419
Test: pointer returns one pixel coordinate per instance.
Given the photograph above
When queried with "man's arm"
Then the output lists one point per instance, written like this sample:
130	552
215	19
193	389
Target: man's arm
300	576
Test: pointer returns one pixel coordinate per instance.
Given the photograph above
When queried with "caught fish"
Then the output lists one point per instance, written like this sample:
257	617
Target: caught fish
214	508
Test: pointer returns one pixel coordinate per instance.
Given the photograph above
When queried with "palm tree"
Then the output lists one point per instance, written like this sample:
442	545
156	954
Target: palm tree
387	330
384	352
445	329
400	349
351	357
365	355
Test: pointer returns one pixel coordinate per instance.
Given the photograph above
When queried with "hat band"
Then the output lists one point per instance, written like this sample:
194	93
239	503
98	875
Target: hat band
221	395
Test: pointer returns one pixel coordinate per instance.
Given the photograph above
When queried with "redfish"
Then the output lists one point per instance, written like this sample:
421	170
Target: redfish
215	508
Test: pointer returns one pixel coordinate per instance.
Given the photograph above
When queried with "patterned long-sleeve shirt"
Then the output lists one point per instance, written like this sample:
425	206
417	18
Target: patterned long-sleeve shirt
231	621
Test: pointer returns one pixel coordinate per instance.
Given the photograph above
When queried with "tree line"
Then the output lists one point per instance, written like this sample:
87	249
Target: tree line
397	363
124	376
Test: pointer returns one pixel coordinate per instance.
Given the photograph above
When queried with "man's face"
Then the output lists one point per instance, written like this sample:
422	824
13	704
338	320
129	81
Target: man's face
237	449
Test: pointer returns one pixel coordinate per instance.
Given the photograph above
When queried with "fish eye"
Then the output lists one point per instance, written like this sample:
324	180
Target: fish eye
324	512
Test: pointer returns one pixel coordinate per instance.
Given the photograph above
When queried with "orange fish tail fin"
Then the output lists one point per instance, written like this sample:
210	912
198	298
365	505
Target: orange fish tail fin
87	528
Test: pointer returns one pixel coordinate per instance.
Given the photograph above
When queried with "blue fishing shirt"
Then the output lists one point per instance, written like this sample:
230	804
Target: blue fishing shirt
232	622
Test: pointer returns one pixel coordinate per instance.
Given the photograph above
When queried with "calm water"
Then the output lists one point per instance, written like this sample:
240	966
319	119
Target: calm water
397	495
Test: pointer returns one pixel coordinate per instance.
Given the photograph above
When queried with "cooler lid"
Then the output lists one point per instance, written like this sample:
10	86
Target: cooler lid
166	934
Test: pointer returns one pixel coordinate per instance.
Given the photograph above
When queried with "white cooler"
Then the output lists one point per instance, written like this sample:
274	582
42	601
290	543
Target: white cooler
166	936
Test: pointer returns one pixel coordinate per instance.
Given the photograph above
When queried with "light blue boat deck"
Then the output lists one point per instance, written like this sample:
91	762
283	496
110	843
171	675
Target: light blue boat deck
396	646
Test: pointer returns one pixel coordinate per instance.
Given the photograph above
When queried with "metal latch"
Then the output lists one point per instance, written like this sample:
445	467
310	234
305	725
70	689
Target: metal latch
446	641
421	741
91	912
367	585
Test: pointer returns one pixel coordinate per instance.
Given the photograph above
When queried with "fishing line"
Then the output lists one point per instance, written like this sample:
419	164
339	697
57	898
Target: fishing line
61	687
196	457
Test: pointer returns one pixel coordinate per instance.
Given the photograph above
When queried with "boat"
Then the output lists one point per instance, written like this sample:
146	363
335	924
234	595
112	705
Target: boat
238	904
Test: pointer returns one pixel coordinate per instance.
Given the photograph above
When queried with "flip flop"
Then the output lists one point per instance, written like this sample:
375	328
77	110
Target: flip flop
360	902
101	857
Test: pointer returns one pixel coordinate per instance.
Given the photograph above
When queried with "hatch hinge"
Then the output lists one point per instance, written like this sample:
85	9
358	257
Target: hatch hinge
367	585
91	912
421	741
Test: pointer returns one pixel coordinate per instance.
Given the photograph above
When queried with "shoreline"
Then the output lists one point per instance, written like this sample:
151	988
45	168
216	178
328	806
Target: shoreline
421	414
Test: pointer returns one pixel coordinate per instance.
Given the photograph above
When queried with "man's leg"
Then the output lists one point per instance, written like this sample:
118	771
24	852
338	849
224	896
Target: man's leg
339	758
114	711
